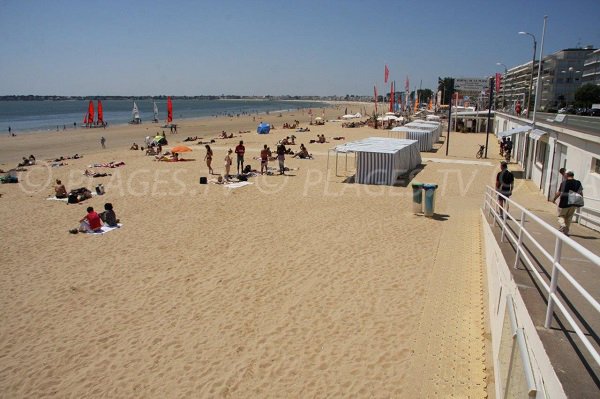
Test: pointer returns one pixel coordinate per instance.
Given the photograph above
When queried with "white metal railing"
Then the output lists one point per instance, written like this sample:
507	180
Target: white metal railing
579	216
502	216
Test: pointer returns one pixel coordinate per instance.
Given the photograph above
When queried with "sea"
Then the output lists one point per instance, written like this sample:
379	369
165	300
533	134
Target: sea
50	115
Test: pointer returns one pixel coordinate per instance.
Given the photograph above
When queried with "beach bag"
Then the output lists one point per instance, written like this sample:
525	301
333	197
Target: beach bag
72	198
100	189
575	199
242	178
203	180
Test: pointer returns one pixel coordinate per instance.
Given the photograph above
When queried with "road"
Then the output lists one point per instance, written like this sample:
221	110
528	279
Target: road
589	124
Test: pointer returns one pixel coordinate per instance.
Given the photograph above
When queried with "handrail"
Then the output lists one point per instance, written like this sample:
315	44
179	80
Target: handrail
502	215
557	234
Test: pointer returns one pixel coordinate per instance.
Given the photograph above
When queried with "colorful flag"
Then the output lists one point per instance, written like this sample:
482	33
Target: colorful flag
386	74
498	80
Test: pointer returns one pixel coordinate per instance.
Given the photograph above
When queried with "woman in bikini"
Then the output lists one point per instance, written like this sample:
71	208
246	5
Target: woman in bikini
208	158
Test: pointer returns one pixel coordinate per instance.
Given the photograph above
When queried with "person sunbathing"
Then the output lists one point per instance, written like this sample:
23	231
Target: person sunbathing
191	138
303	153
339	138
90	223
134	146
93	173
60	190
224	135
108	216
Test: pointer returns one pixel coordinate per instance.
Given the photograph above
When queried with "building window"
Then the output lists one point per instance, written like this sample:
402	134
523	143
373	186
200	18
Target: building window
540	154
596	165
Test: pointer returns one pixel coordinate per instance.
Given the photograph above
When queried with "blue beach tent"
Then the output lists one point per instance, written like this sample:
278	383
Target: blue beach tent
263	128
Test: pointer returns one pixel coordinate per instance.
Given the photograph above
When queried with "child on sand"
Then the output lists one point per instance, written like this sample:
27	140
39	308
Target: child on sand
228	162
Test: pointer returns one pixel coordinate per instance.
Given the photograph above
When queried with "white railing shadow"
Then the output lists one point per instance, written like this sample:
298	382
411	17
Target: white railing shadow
502	215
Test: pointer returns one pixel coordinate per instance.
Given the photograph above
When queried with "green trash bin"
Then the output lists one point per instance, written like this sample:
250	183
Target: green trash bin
417	197
429	202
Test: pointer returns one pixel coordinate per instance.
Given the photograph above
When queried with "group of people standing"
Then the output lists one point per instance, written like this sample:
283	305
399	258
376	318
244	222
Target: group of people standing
240	151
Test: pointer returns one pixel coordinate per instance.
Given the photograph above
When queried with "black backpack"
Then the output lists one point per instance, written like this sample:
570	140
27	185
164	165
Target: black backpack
507	178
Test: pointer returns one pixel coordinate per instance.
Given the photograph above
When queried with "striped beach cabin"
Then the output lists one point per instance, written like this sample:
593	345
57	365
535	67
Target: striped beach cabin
381	160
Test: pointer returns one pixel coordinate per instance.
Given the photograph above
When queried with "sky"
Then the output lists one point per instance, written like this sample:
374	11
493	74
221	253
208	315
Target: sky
295	47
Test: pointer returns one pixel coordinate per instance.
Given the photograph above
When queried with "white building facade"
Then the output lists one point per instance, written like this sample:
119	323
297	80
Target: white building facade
543	151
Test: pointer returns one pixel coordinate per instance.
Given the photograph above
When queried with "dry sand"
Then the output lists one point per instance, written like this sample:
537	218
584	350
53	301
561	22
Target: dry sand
295	286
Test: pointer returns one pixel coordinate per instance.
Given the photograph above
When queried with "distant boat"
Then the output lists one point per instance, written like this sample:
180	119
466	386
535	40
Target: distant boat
88	120
155	120
135	115
100	120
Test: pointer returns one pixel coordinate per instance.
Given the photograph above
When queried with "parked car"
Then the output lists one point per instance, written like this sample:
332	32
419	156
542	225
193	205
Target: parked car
595	112
582	111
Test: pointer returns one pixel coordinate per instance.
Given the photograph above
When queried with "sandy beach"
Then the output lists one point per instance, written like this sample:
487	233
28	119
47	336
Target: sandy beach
293	286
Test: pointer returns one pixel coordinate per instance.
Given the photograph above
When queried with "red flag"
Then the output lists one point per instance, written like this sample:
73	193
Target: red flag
169	110
386	74
498	81
375	93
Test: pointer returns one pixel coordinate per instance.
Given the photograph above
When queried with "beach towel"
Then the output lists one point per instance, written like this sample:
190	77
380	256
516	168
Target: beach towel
53	198
105	229
237	184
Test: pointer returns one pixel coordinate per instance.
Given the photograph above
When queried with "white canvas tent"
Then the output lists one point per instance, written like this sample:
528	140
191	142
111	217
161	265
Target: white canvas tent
436	130
380	160
424	137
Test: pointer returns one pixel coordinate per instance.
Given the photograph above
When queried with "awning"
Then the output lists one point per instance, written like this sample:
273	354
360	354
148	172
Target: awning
536	134
520	129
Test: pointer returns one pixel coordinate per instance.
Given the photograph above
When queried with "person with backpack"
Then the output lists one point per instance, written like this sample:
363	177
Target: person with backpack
504	184
570	193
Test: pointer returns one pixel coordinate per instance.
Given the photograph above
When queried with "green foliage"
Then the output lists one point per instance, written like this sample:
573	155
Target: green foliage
425	95
446	86
587	95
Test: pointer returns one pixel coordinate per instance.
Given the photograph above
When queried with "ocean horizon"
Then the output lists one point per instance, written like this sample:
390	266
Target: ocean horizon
48	115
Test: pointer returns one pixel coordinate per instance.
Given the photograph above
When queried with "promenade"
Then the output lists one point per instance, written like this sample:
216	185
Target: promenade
575	368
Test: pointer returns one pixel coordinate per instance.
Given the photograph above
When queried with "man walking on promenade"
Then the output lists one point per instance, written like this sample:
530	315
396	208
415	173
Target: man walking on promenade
571	197
504	184
240	150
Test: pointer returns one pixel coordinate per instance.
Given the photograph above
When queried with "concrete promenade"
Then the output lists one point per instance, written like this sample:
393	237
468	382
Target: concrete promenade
576	369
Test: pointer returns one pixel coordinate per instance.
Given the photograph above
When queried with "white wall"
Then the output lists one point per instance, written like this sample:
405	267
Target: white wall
500	286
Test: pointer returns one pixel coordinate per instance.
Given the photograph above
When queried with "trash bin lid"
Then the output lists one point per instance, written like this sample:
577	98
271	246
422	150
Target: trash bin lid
430	186
417	184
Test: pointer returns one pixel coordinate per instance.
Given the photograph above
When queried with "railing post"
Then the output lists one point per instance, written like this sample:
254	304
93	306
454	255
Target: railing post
503	221
553	282
520	241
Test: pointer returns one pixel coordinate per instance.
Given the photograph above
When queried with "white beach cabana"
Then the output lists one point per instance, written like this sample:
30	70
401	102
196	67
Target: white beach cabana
436	130
424	137
379	160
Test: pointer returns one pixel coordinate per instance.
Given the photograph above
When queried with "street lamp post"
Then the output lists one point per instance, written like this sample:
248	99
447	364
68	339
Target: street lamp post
532	71
503	83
